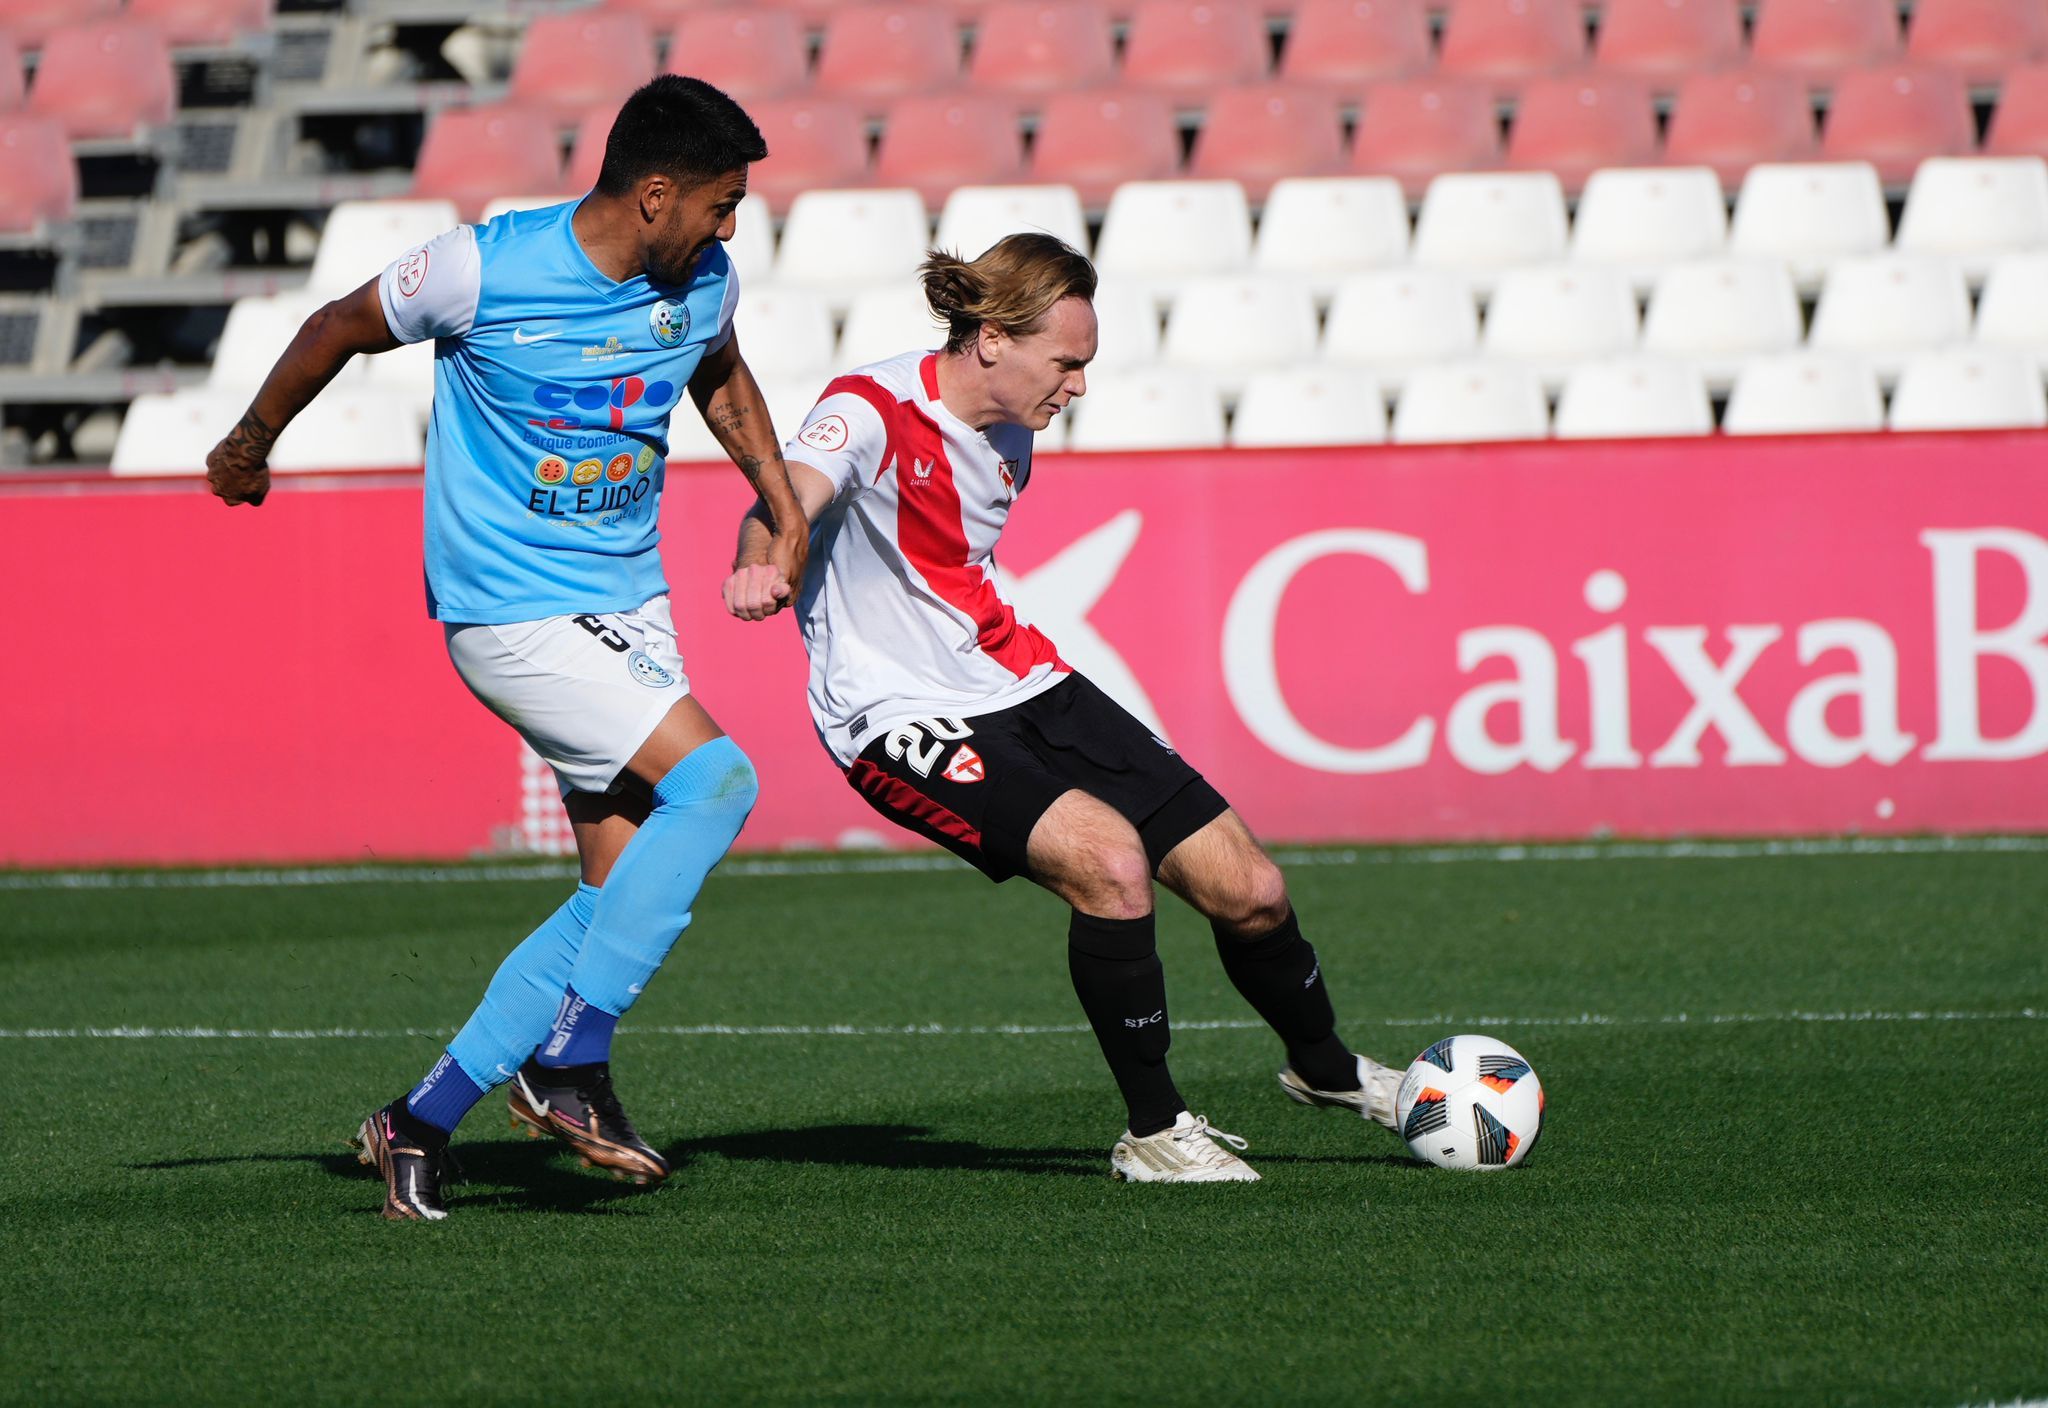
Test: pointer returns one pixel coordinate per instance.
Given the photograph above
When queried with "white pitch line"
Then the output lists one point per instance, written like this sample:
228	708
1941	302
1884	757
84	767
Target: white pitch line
916	1029
755	867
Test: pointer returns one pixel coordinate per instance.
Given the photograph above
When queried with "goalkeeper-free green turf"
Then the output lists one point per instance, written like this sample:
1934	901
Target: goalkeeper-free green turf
1827	1184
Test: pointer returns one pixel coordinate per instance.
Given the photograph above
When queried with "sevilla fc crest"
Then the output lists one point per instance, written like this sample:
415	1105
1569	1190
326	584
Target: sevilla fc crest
965	766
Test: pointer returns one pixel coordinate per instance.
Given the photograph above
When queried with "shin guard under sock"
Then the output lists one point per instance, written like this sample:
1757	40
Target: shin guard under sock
1279	975
1122	987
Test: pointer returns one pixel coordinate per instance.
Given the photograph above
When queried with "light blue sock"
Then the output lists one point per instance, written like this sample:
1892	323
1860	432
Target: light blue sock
645	905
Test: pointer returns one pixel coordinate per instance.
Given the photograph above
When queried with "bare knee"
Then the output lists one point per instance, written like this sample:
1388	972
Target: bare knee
1090	856
1254	903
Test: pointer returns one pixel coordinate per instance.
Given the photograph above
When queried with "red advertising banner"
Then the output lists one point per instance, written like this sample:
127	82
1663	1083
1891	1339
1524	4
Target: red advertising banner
1550	640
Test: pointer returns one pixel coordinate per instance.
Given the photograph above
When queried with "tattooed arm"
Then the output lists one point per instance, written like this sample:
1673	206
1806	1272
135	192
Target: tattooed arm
238	469
730	400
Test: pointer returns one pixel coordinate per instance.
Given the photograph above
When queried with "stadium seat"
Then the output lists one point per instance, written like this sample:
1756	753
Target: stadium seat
1231	324
1391	321
170	432
784	331
1505	43
1127	326
1465	402
572	62
1095	142
1416	130
1974	209
1821	39
1886	306
1480	222
752	246
1309	406
1155	408
1346	44
1160	233
109	78
2019	124
1553	316
1642	220
13	85
586	149
2013	310
362	236
1323	227
1732	121
349	428
975	217
38	176
813	144
473	154
257	332
1662	41
840	241
1804	393
405	373
1262	134
1809	214
885	321
934	144
204	23
1717	313
1628	397
874	52
1969	388
753	51
1194	45
30	22
1978	38
1895	117
1573	126
1042	46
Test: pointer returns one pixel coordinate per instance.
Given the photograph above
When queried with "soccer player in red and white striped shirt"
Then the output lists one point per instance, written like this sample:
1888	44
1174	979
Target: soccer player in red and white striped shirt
959	721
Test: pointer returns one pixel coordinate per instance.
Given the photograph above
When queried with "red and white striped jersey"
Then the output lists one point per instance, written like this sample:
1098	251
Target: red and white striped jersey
903	610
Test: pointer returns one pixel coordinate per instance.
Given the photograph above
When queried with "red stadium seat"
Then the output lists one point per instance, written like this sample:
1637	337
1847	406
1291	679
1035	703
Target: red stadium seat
750	52
1096	141
1262	134
586	152
1575	125
1346	44
1893	117
204	22
29	22
38	177
663	12
812	142
571	63
1667	39
876	52
1980	37
1822	38
474	155
1195	44
2019	124
935	144
105	79
1415	129
13	88
1042	46
1731	121
1507	42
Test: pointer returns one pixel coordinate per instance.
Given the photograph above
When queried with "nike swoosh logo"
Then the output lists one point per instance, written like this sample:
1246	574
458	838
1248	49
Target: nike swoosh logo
522	337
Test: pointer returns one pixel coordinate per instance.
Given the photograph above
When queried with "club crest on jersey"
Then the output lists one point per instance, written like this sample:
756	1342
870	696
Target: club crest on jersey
669	321
1008	469
647	672
965	766
922	468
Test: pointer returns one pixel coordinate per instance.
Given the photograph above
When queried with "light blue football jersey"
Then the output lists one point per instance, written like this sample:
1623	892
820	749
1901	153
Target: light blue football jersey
553	387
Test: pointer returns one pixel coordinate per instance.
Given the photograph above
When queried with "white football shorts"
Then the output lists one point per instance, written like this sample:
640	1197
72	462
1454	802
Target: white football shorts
583	691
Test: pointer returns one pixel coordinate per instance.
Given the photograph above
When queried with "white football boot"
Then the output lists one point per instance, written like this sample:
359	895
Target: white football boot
1186	1153
1374	1098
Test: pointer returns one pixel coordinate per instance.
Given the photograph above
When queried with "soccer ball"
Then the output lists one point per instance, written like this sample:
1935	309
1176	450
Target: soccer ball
1470	1102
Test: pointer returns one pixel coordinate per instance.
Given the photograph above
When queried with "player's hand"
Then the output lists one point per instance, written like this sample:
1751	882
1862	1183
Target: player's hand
788	552
756	592
238	469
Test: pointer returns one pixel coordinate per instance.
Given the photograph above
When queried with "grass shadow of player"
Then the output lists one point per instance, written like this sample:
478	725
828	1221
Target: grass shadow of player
887	1146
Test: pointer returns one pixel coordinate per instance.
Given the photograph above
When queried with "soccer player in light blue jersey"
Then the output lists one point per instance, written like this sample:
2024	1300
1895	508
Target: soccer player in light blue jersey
564	339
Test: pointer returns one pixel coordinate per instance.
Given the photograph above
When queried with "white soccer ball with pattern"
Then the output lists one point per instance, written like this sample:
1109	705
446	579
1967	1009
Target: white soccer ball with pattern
1470	1102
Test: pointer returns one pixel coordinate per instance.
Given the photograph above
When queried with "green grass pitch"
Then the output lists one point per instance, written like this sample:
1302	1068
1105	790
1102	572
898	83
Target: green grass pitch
1747	1206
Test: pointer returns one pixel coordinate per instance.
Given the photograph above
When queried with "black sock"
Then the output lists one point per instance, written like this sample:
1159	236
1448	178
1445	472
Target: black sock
1117	975
1280	977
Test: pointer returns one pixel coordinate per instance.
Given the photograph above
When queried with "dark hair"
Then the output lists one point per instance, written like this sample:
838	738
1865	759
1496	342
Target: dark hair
1013	285
678	127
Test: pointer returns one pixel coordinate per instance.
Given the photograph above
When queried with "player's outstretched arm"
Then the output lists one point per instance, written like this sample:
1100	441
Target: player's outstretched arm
757	589
731	403
238	469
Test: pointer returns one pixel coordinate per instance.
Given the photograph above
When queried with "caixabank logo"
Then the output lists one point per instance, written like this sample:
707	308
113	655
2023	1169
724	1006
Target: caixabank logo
612	398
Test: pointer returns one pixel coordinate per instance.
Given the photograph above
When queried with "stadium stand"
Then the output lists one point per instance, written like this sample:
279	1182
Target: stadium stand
1718	313
1185	46
1626	397
1979	38
752	52
1258	135
1470	401
361	237
38	177
571	63
813	144
1095	142
1895	117
1968	388
1127	325
1231	324
1888	306
1157	408
1974	209
1343	45
1804	393
1733	121
935	144
1809	215
1309	406
1661	41
788	330
1506	43
1394	320
473	154
1479	223
108	78
875	52
1414	131
2019	124
2013	310
204	23
1042	47
839	242
1158	234
1823	39
1571	126
975	217
1321	228
886	320
1643	220
30	22
1553	316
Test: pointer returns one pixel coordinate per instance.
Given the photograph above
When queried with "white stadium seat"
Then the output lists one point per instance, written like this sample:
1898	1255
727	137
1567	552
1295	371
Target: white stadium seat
1321	228
344	428
1804	393
752	246
1478	223
1969	388
1161	408
1643	220
841	241
362	236
1391	321
1559	314
1159	234
170	432
405	372
1976	208
1719	311
1456	402
1309	406
1127	326
1633	396
783	330
2013	309
1810	214
1232	324
976	217
1887	306
886	322
256	334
